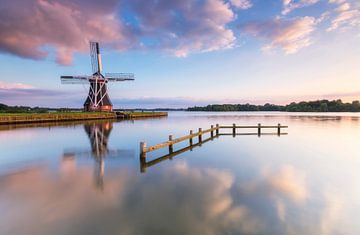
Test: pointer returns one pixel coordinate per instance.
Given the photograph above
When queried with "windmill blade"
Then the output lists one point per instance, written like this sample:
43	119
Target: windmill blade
75	79
95	57
118	77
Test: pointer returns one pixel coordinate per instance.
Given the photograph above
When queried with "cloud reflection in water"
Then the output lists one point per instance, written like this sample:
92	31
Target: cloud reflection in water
178	199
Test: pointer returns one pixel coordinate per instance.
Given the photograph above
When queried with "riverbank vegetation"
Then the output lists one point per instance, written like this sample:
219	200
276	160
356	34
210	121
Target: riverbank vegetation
310	106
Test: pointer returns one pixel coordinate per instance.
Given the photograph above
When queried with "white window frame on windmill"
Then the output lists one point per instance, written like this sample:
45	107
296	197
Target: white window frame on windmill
92	103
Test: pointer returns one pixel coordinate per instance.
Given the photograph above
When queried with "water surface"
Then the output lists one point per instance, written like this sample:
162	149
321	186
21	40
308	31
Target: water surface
86	177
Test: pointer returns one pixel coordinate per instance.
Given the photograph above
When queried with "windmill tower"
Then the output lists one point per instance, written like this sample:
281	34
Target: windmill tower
98	97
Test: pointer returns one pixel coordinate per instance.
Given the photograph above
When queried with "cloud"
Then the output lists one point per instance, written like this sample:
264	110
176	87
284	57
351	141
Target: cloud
41	29
11	86
198	200
29	28
290	5
347	15
241	4
290	35
184	26
289	181
332	212
21	94
286	182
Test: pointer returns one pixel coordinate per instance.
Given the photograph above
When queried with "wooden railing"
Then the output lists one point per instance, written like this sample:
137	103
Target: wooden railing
144	149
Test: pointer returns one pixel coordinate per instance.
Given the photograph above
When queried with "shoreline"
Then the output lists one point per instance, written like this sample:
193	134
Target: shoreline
24	118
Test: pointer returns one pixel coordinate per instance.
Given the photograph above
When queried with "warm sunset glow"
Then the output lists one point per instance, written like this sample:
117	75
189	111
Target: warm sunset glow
213	51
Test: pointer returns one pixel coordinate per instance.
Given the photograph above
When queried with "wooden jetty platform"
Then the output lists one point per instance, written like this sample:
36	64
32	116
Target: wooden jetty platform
214	132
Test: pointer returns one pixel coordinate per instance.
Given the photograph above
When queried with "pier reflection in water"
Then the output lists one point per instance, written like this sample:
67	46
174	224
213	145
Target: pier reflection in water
98	133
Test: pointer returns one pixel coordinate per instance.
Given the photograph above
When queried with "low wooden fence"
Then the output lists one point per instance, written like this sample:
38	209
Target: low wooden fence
214	130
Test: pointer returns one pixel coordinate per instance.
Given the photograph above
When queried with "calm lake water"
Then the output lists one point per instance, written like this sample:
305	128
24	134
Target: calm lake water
85	177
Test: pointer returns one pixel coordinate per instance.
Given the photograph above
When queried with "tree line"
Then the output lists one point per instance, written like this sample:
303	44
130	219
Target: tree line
304	106
27	109
21	109
310	106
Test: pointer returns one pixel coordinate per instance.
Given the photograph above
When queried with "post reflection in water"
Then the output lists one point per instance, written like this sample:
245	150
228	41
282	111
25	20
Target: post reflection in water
98	134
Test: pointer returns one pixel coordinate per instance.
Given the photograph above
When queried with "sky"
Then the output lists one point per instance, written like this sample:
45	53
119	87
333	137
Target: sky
183	52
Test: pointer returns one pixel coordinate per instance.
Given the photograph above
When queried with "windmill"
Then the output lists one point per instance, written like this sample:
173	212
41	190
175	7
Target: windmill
98	97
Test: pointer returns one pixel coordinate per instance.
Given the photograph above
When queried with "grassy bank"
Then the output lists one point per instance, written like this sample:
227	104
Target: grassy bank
9	118
18	118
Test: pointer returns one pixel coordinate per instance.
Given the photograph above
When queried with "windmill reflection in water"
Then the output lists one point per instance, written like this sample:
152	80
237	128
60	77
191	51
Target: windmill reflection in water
98	134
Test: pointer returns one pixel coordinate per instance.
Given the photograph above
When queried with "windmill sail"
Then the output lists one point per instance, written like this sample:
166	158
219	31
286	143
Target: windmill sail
75	79
117	77
95	57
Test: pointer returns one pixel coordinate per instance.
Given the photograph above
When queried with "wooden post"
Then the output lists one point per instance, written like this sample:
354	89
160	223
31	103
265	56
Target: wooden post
190	140
212	131
259	129
234	129
142	149
142	157
200	137
278	129
217	129
170	146
142	164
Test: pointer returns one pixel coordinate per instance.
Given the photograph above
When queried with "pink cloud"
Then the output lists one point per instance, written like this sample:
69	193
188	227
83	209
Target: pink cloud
26	27
290	5
29	28
35	28
11	86
347	15
289	35
181	27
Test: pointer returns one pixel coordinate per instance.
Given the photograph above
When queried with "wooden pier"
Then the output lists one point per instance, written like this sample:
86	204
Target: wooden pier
213	131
